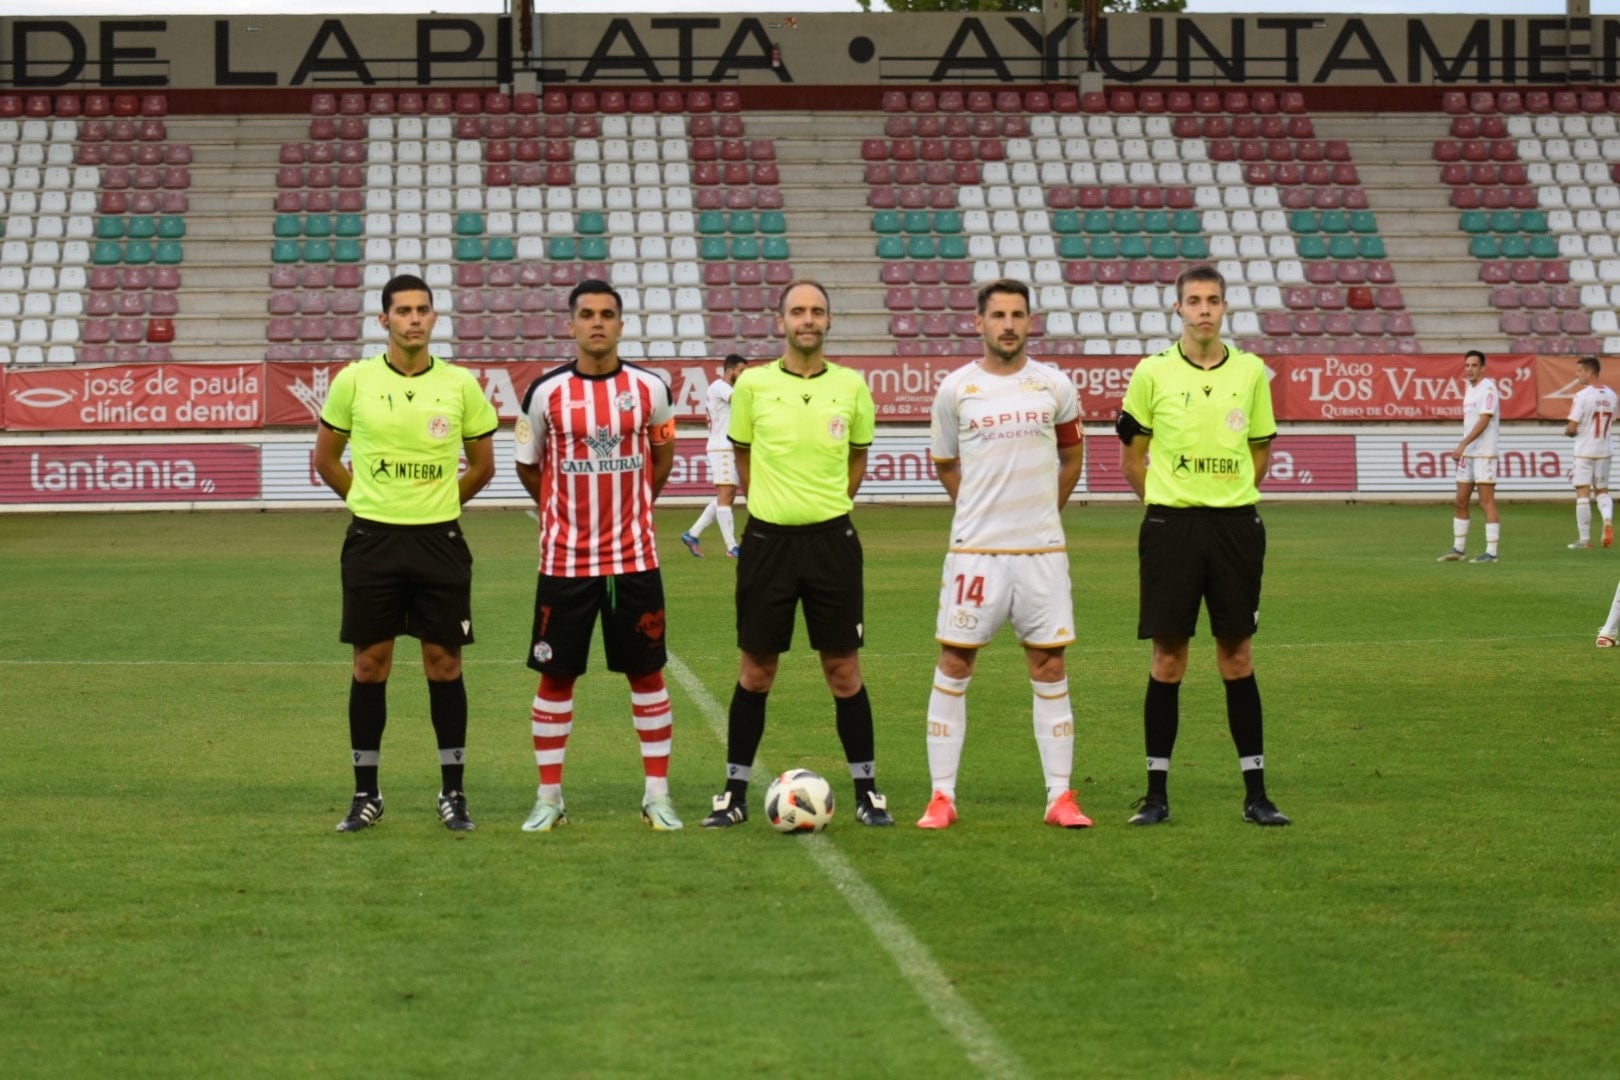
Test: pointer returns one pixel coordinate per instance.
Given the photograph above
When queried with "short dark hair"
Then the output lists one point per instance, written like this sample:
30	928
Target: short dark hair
1590	362
1002	285
781	301
1200	272
403	283
1471	353
594	287
734	360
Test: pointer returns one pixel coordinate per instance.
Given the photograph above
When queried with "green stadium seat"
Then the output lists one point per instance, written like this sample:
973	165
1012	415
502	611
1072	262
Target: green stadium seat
562	249
1515	246
469	248
171	227
317	249
947	222
713	222
1156	222
346	249
921	247
774	248
1105	246
1474	222
1533	221
1363	221
1343	246
168	253
712	248
1066	222
137	252
502	249
1303	222
1543	246
953	246
1187	222
349	225
1099	221
108	253
112	228
888	247
916	221
1311	247
1504	221
1133	246
742	223
1161	247
1127	221
1194	247
284	251
590	223
469	224
287	225
1485	246
744	247
591	248
1335	222
318	225
1371	247
142	227
773	222
1072	246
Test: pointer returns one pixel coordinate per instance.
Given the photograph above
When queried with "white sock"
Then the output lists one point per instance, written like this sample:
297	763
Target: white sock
947	730
1459	533
728	525
1054	734
1611	625
1583	520
1606	507
1493	533
703	521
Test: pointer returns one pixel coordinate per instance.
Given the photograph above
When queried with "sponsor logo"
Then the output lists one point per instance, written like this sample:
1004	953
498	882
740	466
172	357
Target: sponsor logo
418	471
603	441
651	625
964	620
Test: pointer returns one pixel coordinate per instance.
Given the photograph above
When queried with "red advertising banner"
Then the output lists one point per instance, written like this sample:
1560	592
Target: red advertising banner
128	472
1308	389
1556	384
140	397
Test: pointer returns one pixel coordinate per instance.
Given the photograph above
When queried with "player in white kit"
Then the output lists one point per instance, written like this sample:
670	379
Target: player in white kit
722	462
1590	415
1008	449
1476	461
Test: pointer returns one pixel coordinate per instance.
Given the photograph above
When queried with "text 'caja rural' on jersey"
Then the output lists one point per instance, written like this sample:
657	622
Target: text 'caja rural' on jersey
719	406
1482	399
1592	413
1201	422
798	432
405	434
592	437
1006	430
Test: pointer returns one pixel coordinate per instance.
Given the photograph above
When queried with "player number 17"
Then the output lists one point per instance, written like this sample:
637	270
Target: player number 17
969	591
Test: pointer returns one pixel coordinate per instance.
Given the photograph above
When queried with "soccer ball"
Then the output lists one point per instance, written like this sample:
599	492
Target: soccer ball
799	801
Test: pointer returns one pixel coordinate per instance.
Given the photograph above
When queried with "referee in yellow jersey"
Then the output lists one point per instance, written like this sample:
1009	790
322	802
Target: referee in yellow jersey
801	427
406	417
1197	425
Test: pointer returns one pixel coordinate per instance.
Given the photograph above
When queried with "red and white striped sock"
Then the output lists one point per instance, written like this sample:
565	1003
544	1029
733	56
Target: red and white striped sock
553	720
655	727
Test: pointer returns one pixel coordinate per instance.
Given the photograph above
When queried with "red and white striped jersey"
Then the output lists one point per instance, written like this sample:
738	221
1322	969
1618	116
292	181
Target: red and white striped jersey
591	436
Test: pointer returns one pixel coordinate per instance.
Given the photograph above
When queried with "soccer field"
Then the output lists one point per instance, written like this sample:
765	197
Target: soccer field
177	903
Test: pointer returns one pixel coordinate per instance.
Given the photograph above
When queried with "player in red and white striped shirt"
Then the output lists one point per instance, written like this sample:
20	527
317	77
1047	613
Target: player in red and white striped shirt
595	443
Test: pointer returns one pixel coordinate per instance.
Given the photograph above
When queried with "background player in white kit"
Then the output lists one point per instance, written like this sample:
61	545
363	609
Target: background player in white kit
1476	461
722	462
1590	415
1008	449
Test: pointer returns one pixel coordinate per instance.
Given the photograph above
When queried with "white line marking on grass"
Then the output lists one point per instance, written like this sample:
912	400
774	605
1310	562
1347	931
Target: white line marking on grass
976	1037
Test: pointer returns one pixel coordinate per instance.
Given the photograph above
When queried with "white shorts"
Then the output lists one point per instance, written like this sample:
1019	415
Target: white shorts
723	467
1592	472
979	593
1476	470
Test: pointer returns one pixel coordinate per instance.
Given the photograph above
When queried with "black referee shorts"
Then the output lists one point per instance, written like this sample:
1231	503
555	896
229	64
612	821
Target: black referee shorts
1193	555
406	579
781	566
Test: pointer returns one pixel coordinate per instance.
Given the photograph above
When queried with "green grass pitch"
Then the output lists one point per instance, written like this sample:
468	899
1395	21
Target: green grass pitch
177	904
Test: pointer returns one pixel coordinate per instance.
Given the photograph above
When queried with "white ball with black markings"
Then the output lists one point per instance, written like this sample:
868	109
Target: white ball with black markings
799	801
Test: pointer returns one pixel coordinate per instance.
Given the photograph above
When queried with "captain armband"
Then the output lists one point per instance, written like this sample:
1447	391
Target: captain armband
1127	428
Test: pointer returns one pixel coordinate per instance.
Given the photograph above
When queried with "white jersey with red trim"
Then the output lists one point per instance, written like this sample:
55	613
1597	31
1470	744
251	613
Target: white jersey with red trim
1004	429
719	405
592	436
1481	399
1592	413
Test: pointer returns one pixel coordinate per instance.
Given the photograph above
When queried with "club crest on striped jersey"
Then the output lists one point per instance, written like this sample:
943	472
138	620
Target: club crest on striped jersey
625	401
603	441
